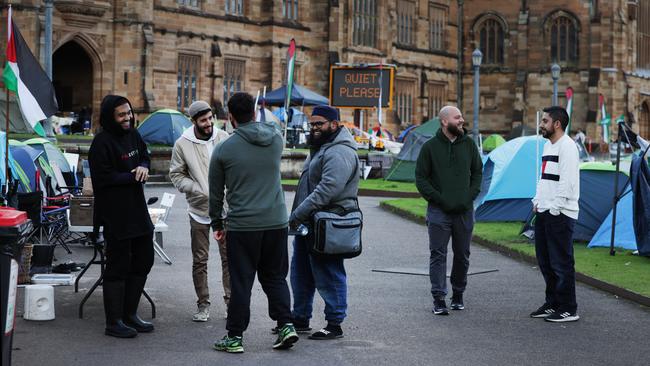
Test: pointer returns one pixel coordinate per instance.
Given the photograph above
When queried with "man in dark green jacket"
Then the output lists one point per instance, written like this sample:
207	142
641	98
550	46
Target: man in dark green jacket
247	165
448	175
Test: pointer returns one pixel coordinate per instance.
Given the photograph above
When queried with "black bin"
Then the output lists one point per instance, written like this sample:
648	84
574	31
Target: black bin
14	227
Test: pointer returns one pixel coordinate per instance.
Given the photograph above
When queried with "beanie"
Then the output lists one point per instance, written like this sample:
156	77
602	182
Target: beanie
330	113
198	107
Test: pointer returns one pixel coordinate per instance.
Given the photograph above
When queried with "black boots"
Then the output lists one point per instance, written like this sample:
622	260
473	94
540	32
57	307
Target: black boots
113	308
132	292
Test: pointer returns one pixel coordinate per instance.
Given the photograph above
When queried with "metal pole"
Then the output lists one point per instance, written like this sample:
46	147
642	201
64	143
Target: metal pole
476	96
48	38
459	75
554	101
6	183
612	251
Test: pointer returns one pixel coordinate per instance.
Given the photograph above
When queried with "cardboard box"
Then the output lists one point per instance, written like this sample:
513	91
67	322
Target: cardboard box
81	211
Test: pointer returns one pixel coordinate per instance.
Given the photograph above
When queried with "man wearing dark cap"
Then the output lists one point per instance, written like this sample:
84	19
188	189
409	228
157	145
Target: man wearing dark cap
188	171
248	165
329	177
119	167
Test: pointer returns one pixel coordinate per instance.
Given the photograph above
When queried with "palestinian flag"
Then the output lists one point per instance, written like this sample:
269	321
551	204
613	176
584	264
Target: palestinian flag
291	61
569	107
24	76
605	119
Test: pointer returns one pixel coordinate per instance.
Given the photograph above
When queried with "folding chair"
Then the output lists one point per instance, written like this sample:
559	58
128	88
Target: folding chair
163	211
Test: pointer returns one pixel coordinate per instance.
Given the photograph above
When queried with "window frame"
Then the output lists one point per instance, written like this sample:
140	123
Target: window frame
406	22
239	7
364	13
642	61
443	34
188	3
441	86
230	82
553	28
400	99
292	5
188	70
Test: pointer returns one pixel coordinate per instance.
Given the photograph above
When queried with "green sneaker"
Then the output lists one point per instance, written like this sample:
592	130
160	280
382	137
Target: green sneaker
230	344
287	336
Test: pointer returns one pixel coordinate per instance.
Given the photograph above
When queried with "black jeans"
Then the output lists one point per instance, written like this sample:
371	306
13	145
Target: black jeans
264	253
554	250
126	258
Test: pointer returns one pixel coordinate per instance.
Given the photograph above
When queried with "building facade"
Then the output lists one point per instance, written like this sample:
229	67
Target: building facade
167	53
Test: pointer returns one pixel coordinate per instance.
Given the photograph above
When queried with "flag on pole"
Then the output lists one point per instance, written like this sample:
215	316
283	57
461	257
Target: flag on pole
291	60
379	114
24	76
605	119
569	107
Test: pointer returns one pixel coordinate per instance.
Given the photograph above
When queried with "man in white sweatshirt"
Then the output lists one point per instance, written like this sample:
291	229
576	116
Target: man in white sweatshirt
188	171
556	207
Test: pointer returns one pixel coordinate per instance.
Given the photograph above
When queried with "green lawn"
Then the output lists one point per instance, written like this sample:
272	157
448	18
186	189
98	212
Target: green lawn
624	270
374	184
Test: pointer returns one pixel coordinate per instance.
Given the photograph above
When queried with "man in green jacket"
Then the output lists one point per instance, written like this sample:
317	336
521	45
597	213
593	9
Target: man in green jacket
247	165
448	175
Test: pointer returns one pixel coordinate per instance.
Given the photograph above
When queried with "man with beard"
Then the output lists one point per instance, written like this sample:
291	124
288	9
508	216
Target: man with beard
188	171
329	177
448	175
119	167
556	207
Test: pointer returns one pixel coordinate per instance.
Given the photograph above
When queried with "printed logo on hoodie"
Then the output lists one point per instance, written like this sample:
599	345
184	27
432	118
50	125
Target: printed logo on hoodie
129	155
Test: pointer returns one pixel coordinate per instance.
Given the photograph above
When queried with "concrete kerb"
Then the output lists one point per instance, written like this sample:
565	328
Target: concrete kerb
495	247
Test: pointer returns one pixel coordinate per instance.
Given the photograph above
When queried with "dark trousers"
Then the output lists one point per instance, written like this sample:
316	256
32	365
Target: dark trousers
126	258
264	253
443	226
554	250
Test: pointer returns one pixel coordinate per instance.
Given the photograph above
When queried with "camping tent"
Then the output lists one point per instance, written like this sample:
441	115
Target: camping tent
403	168
509	180
596	196
624	234
299	96
27	163
17	123
164	127
492	142
53	155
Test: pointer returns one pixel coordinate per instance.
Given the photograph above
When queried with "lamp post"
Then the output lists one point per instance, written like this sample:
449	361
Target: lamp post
477	56
555	74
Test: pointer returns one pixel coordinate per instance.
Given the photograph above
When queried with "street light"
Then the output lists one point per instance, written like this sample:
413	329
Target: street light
555	74
476	62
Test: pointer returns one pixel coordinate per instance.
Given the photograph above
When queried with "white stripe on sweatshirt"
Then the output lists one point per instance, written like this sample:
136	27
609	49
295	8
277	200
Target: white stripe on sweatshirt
558	189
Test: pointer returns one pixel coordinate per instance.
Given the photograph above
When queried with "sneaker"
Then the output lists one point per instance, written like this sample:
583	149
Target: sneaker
561	317
299	326
457	302
230	344
440	307
329	332
543	311
287	336
202	315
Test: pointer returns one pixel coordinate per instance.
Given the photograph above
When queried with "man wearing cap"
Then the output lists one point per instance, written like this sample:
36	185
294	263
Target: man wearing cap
188	171
330	176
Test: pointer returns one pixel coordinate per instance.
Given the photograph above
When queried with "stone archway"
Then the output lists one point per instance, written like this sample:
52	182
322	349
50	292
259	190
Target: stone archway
644	120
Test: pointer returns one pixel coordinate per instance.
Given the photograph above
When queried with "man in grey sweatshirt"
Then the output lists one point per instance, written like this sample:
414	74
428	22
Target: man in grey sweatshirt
247	165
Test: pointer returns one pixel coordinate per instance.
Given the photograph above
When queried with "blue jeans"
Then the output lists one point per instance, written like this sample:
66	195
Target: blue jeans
443	226
310	273
554	251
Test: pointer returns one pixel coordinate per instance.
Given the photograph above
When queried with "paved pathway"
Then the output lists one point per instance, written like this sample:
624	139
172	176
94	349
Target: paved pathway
389	323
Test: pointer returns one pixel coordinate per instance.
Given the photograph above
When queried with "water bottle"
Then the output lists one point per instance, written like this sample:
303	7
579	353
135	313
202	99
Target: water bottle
300	230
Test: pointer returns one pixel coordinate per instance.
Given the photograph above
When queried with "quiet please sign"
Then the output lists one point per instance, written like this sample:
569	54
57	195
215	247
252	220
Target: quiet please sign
358	87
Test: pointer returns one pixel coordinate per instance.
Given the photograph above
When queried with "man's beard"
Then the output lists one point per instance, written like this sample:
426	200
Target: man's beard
454	130
547	134
202	133
320	140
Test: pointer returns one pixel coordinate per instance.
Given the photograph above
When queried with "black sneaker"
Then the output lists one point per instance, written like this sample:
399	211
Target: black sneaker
457	302
543	311
301	326
440	307
561	317
327	333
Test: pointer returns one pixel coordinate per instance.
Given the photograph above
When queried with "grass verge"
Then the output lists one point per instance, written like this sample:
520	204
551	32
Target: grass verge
627	271
374	185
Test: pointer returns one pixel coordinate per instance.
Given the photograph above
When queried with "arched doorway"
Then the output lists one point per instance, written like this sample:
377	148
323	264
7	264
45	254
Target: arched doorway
644	121
72	73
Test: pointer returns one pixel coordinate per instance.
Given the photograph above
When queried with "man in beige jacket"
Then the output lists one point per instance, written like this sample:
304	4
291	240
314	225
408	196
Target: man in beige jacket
189	173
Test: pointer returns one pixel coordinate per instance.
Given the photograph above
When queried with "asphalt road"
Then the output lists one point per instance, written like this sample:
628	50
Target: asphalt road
389	322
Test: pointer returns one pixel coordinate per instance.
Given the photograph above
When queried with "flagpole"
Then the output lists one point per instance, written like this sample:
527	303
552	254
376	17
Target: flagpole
6	183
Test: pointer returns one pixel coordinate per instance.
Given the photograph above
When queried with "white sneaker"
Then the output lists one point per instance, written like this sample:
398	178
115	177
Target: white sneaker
203	314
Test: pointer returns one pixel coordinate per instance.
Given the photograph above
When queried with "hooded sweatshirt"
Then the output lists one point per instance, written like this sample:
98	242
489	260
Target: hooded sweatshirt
448	174
248	165
188	170
119	199
330	176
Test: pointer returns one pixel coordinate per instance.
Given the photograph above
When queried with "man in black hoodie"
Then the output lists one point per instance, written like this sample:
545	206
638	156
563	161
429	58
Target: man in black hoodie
119	166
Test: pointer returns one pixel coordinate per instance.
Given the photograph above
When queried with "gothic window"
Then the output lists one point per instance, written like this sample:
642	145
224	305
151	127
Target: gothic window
187	80
189	3
563	39
406	18
297	72
437	98
364	22
235	7
404	98
233	78
437	26
491	35
290	9
644	121
643	35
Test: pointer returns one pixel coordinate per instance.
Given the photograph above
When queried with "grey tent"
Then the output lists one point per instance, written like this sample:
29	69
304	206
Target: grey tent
403	168
17	123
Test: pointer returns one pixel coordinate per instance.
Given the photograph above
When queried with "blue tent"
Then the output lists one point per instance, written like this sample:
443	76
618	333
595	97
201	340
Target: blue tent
25	158
640	172
509	180
12	164
596	196
299	96
164	127
624	234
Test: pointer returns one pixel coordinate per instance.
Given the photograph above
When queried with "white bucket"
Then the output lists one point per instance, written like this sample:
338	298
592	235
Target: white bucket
39	302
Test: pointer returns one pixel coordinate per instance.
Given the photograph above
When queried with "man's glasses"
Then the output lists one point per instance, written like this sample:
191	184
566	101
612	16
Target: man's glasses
318	124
